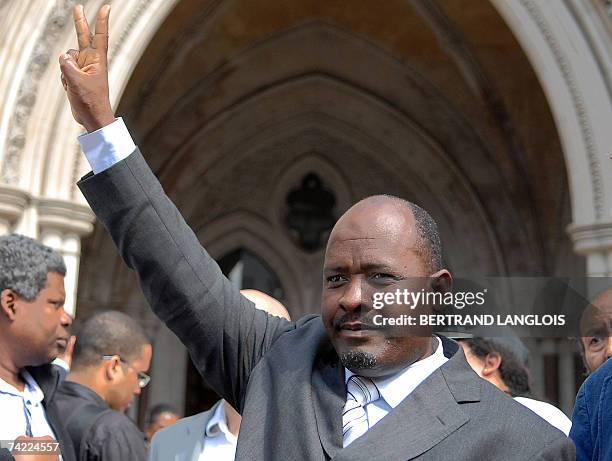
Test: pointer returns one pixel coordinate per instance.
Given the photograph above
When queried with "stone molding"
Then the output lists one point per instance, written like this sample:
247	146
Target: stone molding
39	60
591	238
581	111
118	42
12	202
65	216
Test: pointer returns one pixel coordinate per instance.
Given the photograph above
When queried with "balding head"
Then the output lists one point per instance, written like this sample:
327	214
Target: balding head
596	331
407	221
382	243
266	303
603	300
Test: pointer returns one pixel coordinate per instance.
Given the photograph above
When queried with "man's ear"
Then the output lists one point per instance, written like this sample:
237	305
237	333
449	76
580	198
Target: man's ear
442	281
112	367
8	298
492	362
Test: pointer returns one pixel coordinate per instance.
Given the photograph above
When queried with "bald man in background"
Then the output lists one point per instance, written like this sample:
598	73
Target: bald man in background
592	416
212	434
596	331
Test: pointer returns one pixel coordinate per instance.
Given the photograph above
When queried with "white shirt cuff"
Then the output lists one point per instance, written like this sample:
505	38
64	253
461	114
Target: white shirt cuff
107	145
61	363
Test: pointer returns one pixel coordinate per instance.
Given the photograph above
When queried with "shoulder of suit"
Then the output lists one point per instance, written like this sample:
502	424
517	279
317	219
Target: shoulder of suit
517	417
196	422
113	422
532	434
307	319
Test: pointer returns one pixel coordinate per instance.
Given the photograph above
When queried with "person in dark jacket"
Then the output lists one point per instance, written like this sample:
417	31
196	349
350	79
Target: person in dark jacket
111	355
592	418
33	331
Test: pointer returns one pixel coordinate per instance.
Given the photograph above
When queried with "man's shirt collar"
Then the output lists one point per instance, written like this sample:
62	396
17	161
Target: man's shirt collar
31	392
396	388
217	426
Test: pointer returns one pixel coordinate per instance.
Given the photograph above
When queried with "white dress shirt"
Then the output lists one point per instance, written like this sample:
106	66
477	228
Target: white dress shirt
23	410
219	442
396	388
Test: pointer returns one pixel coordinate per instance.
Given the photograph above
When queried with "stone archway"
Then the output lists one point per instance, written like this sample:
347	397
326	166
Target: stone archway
568	45
330	82
40	160
573	80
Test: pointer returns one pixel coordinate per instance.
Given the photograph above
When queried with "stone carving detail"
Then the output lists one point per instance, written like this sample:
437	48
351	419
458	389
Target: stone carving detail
310	215
76	168
118	41
59	16
587	134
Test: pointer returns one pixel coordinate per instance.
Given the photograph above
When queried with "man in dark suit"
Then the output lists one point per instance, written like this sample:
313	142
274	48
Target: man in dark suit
334	386
111	357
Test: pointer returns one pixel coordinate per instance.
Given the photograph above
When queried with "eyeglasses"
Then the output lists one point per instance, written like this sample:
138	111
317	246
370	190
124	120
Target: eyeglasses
143	378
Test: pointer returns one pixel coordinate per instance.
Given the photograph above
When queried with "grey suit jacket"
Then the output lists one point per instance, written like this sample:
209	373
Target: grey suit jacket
285	378
183	440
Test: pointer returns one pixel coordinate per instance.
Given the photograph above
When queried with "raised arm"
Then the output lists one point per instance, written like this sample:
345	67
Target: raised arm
224	333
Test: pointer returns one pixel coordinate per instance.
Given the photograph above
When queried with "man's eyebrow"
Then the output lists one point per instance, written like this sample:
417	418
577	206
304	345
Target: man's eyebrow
336	268
596	330
376	266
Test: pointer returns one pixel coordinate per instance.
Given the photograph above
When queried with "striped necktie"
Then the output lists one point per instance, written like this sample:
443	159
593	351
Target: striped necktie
359	392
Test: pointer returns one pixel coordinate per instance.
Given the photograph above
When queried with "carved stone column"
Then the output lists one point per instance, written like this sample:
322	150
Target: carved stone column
595	242
61	225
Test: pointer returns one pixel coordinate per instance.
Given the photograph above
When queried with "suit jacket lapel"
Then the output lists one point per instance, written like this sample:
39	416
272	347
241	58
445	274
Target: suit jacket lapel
425	418
329	397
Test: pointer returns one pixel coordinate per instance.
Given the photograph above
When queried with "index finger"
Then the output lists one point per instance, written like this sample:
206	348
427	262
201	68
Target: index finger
100	39
69	349
82	27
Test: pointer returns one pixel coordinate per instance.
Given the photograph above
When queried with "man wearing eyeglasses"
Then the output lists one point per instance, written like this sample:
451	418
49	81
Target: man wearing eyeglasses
111	357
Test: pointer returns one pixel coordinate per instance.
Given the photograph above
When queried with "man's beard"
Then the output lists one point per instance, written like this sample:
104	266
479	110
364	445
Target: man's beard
357	360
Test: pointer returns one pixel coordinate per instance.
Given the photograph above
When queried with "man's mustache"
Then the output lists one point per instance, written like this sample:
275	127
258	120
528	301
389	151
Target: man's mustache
365	319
